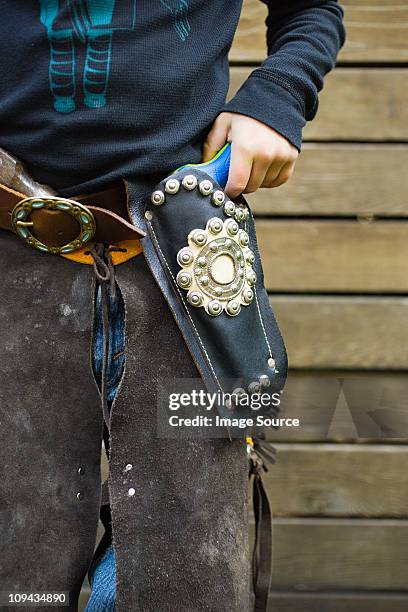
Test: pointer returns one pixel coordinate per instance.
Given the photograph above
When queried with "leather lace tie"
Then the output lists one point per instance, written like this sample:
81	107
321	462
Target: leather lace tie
105	276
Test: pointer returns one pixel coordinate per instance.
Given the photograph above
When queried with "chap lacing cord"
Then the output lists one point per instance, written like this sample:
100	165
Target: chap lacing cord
105	276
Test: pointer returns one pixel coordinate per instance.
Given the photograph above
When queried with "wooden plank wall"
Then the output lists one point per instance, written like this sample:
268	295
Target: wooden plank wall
334	242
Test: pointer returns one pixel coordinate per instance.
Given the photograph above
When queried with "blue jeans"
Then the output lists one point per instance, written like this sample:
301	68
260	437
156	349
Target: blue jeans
103	575
116	355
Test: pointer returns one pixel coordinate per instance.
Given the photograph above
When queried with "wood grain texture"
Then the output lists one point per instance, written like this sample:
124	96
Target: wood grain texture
339	480
341	179
334	255
324	554
376	32
366	104
344	332
342	406
287	601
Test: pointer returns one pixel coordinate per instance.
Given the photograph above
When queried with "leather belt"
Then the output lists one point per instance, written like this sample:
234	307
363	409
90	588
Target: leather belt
55	228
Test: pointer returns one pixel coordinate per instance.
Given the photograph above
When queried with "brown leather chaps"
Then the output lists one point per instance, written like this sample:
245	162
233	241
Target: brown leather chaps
181	540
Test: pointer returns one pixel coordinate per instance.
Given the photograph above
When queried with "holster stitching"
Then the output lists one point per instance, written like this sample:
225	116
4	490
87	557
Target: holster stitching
260	317
185	305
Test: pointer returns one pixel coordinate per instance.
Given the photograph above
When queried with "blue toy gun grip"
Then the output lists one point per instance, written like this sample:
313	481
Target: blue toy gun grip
218	167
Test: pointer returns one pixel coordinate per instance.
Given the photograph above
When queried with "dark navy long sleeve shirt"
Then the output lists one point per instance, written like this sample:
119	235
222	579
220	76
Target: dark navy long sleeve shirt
94	90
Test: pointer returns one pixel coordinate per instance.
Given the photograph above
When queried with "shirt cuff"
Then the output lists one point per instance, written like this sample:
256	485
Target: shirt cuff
271	103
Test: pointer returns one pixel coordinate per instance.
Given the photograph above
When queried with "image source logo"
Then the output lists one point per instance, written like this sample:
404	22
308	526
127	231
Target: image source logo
92	23
187	409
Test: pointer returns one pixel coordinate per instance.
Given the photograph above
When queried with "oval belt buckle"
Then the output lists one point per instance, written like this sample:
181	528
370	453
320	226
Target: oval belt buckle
21	222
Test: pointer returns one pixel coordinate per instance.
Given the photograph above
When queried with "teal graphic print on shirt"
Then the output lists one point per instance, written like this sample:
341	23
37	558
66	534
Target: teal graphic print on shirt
93	23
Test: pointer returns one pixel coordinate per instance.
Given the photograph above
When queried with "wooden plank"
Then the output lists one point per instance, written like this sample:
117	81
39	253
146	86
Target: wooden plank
339	480
325	332
366	104
345	406
324	554
376	32
250	39
286	601
334	255
341	179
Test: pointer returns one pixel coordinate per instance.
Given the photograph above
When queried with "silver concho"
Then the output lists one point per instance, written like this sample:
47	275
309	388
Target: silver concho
264	380
185	256
216	269
214	308
195	298
158	198
229	208
233	307
172	186
206	187
218	198
250	257
215	225
199	237
251	278
232	227
189	182
184	279
247	295
243	238
254	387
239	214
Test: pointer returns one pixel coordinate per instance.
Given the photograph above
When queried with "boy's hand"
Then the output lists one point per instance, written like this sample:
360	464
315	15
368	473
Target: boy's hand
260	157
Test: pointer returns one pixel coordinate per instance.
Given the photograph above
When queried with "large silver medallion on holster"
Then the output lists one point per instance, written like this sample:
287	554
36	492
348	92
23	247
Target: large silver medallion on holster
216	268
